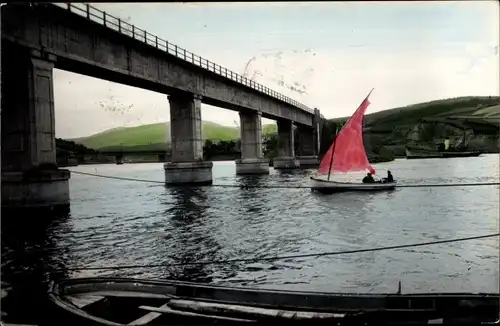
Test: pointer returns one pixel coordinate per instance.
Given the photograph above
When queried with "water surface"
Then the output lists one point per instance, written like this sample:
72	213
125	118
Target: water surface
116	222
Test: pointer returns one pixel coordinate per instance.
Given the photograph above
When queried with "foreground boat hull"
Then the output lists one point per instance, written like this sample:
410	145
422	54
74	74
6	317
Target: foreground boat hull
117	301
328	187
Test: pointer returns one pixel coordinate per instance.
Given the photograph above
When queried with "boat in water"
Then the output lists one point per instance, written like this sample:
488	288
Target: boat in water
129	301
419	153
439	138
347	154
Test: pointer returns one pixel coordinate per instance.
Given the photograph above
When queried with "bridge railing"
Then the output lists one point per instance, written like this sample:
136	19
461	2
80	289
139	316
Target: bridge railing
136	33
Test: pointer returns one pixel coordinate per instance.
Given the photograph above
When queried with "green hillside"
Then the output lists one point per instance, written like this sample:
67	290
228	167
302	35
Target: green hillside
156	135
482	107
386	127
269	129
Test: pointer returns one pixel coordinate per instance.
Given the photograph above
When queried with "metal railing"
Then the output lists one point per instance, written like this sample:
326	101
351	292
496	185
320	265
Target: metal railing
105	19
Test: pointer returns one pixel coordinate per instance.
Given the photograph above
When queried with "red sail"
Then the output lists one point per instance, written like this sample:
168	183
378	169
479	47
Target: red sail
349	150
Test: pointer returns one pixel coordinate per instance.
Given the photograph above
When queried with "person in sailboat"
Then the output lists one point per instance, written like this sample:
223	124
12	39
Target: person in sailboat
368	178
389	178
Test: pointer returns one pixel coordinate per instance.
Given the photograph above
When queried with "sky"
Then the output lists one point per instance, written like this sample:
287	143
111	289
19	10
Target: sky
324	54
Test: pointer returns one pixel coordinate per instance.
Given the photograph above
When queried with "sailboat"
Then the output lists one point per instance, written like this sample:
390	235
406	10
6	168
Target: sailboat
347	154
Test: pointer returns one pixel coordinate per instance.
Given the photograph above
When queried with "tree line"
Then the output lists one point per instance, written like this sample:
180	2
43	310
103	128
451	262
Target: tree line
377	152
232	148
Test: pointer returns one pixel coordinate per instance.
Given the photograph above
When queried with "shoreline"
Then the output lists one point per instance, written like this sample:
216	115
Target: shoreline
220	159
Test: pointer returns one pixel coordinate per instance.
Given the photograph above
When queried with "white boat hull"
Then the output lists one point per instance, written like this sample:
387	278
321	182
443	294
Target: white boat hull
328	186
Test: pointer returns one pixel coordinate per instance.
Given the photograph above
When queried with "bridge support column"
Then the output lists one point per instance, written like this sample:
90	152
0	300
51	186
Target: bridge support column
318	123
119	159
252	161
286	146
186	165
306	147
30	177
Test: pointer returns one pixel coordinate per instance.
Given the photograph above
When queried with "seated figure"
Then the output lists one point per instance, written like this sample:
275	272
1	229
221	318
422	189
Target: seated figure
389	178
368	178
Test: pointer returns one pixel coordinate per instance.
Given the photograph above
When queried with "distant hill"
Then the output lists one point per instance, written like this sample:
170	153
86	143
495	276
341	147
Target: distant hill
479	107
155	136
387	129
394	123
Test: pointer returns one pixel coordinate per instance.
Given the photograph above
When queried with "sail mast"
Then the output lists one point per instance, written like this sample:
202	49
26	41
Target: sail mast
333	151
336	135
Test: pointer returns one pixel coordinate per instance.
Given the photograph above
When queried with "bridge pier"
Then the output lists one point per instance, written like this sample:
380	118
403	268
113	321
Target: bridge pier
30	176
119	159
252	161
286	146
307	154
186	165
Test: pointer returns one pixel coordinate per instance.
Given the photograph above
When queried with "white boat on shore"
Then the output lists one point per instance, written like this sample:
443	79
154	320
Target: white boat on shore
347	154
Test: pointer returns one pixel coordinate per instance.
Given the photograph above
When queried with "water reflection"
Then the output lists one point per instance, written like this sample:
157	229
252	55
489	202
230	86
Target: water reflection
251	193
191	234
30	260
115	222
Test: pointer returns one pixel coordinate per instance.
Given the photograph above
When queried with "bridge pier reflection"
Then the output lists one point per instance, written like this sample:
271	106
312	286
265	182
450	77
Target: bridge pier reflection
31	258
190	220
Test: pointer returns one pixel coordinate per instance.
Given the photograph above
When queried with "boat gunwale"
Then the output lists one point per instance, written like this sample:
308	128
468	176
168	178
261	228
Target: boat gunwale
374	302
56	297
55	289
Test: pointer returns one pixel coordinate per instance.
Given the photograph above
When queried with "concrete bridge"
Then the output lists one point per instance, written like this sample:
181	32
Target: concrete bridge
120	155
78	38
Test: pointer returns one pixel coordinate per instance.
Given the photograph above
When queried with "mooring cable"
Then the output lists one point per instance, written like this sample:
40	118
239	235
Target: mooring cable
475	184
274	258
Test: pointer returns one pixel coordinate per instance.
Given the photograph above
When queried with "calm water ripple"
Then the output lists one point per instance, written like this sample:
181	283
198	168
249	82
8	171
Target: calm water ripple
116	222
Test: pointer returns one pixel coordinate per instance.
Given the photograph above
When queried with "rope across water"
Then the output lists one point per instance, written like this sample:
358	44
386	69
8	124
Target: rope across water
275	258
476	184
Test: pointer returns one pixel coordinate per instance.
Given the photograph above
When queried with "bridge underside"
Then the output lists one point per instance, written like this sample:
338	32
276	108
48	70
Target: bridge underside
89	48
40	38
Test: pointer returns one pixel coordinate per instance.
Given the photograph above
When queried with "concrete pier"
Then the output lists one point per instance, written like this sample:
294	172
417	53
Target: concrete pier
180	173
306	153
318	123
44	188
186	165
308	162
30	177
252	161
286	145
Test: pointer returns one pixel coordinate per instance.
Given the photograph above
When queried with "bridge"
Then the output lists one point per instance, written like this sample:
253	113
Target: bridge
120	154
36	38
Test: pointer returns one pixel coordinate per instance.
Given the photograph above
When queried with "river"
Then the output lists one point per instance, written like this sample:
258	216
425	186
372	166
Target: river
116	222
